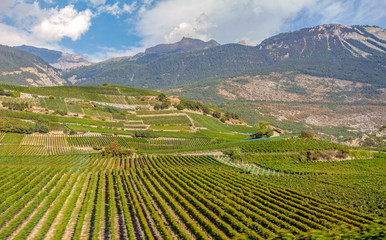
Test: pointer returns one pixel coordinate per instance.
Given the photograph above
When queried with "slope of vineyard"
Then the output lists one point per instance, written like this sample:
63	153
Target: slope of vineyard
112	162
153	197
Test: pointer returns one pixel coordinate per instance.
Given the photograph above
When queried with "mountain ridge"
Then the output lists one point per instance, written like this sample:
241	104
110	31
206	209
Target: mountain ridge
57	59
23	68
349	50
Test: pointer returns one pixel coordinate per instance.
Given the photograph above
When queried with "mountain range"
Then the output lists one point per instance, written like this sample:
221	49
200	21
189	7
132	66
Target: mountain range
337	71
57	59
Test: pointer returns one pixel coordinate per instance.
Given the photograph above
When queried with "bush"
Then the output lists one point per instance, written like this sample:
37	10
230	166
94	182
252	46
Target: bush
217	140
216	114
161	97
157	106
95	147
144	134
72	132
60	112
307	134
234	154
165	105
116	150
51	96
15	94
181	106
110	109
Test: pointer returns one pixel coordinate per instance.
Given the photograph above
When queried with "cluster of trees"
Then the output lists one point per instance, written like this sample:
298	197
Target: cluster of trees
262	130
115	149
19	126
165	104
192	105
16	106
226	116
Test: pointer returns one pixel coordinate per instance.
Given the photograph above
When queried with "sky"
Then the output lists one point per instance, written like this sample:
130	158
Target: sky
102	29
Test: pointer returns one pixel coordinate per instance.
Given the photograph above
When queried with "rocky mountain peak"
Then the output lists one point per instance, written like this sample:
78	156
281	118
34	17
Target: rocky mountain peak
358	41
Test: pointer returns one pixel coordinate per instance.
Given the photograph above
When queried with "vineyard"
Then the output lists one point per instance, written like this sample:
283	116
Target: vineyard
89	196
103	163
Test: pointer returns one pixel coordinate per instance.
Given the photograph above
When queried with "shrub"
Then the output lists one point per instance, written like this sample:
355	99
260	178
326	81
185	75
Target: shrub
307	134
217	140
144	134
15	94
60	112
95	147
116	150
161	97
157	106
72	132
51	96
216	114
165	105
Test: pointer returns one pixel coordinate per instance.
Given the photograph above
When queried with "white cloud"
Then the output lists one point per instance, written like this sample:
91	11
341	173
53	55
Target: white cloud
66	22
12	36
96	2
5	4
116	10
130	8
197	29
223	20
230	21
41	27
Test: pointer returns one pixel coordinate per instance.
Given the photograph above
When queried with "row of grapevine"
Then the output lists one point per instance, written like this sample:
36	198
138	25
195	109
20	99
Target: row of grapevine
90	141
22	150
179	143
45	140
289	145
